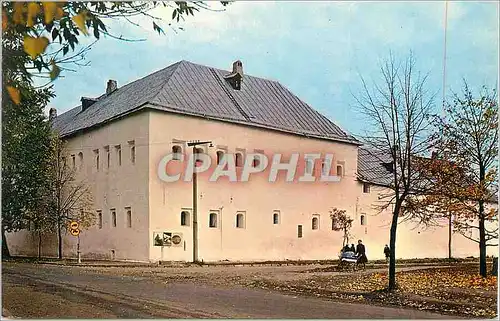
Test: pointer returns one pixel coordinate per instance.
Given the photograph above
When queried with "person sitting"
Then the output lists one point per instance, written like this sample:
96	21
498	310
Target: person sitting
353	249
361	254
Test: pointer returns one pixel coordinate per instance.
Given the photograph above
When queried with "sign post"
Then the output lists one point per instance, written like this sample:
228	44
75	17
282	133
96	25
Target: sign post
76	232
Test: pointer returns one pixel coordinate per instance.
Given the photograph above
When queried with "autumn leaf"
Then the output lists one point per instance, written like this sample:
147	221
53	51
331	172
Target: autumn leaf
35	46
49	10
79	20
14	94
52	10
55	71
33	10
18	16
5	21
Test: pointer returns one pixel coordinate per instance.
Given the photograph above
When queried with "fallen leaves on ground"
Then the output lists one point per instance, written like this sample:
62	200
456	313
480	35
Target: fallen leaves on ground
454	290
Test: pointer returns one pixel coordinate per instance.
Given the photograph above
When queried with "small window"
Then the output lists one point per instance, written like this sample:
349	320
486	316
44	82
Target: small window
239	160
363	219
309	165
340	171
73	161
366	188
324	168
256	159
276	217
185	218
220	154
113	218
177	151
131	144
197	152
80	160
240	220
129	217
315	223
106	148
299	231
118	149
212	220
99	218
96	156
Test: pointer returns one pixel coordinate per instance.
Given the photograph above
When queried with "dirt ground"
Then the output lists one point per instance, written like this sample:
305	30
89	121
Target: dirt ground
58	291
456	289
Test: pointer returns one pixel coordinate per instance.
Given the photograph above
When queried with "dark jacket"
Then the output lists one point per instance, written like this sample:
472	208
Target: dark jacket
387	251
361	253
360	249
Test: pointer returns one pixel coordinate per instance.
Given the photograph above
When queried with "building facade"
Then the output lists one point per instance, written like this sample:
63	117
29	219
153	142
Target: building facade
116	143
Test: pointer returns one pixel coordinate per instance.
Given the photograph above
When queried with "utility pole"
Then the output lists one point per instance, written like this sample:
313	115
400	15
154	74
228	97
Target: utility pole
78	250
195	199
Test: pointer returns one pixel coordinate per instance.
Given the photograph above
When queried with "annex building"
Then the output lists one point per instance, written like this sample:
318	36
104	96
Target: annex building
117	140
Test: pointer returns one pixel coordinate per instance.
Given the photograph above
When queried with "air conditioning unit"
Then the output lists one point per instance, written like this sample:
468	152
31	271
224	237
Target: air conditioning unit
177	239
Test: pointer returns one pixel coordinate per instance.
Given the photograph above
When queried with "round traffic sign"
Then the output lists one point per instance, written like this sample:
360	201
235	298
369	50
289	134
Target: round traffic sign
176	239
75	232
73	225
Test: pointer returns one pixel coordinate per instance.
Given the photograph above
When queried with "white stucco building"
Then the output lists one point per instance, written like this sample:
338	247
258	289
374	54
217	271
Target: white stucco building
119	138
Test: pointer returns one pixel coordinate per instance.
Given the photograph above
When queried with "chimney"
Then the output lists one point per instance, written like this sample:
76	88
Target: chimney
236	76
112	86
52	114
87	102
238	68
434	155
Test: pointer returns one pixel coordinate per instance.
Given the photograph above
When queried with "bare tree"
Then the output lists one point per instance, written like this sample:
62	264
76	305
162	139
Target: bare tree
397	110
69	198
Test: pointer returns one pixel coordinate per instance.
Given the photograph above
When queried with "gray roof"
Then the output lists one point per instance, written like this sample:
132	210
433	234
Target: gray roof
371	167
198	90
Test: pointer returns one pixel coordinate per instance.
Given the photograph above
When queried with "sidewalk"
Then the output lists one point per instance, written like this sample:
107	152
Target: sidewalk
327	263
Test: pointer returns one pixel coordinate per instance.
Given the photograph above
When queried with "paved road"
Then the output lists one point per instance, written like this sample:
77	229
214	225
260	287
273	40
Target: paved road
46	291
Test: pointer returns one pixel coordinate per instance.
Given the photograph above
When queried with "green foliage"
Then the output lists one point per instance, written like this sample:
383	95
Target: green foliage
25	149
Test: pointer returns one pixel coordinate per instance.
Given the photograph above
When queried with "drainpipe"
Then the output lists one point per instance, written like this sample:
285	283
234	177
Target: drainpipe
220	209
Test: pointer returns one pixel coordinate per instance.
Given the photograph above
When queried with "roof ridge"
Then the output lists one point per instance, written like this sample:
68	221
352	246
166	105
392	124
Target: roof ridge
218	69
228	93
177	64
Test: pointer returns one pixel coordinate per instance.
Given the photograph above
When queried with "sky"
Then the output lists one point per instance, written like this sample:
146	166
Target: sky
318	50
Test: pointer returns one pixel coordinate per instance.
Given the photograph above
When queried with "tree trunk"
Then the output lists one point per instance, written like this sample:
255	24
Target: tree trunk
59	241
39	244
392	259
449	235
494	268
482	241
5	247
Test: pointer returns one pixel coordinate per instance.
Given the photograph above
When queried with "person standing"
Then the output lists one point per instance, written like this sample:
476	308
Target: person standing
361	254
387	252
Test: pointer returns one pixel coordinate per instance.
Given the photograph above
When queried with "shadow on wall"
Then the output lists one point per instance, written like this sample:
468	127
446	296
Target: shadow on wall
25	243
